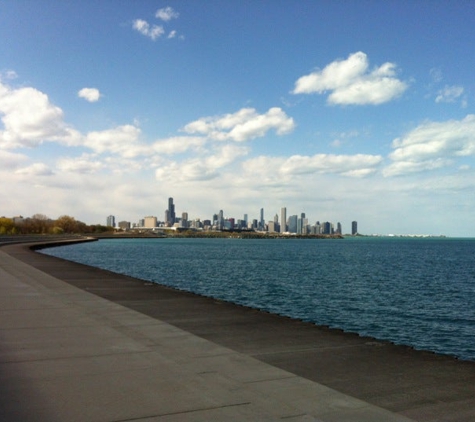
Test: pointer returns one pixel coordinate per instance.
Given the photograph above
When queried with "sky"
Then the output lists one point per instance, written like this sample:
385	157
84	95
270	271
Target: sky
344	110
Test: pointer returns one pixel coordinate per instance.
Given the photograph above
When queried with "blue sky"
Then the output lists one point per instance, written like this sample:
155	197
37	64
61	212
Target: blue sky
351	110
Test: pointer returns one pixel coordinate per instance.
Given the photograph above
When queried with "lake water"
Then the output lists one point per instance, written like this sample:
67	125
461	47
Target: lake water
418	292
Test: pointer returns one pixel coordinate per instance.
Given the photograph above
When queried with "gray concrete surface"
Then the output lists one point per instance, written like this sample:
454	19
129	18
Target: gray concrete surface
83	344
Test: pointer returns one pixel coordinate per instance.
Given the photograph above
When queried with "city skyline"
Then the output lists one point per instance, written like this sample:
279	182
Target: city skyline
347	110
219	221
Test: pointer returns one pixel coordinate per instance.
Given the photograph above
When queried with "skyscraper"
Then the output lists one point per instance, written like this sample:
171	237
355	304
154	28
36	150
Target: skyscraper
338	228
184	219
220	220
111	221
171	212
283	219
262	224
292	224
354	227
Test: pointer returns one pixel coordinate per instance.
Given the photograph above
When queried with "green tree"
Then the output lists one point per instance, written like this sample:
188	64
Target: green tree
67	224
6	225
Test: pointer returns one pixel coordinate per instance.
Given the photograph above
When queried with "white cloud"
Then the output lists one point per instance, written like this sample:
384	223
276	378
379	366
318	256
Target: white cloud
153	32
350	82
10	160
166	14
225	155
281	171
172	34
36	169
449	94
178	144
263	170
436	75
89	94
202	168
358	165
8	74
406	167
29	119
190	170
122	140
83	165
244	125
430	145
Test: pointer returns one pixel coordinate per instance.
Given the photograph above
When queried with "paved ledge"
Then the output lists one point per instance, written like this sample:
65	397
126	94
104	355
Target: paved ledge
83	344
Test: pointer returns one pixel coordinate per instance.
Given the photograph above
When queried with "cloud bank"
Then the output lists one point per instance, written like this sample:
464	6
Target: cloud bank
432	145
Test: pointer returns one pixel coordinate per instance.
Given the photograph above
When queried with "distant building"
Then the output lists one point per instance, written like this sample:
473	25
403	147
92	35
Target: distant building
327	228
220	224
293	220
184	220
272	226
338	228
150	222
283	220
124	225
171	213
18	219
354	227
110	221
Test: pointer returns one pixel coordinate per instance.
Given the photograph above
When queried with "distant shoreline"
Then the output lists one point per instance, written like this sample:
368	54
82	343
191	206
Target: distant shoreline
216	234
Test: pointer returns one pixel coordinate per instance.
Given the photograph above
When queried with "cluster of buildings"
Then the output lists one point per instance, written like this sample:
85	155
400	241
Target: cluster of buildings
293	224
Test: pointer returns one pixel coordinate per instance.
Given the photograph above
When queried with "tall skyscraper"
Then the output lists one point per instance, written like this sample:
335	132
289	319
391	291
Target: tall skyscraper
111	221
262	224
354	227
283	219
171	212
220	220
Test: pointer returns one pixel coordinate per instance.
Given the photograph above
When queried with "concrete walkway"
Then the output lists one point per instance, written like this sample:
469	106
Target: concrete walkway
82	344
69	355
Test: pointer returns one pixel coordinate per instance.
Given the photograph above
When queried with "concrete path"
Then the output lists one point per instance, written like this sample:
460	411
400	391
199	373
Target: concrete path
69	355
80	343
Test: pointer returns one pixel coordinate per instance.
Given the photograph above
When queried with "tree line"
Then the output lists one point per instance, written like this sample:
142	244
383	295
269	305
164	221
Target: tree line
41	224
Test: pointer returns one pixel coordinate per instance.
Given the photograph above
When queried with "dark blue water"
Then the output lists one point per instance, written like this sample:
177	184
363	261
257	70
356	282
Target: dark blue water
418	292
